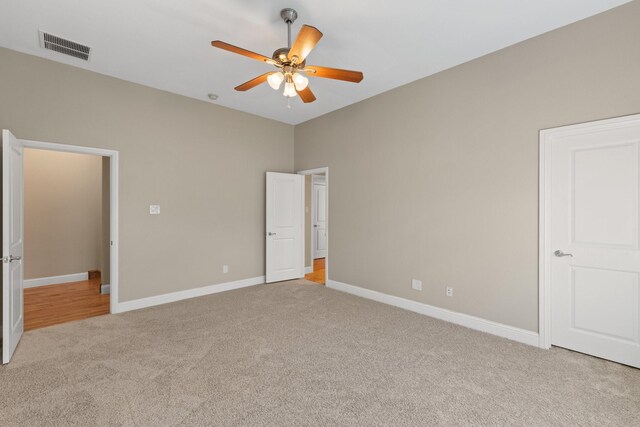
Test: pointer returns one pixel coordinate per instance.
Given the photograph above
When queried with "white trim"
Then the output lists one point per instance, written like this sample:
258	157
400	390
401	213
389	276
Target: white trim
477	323
186	294
544	257
56	280
308	270
105	289
114	263
325	171
544	282
312	246
50	146
114	197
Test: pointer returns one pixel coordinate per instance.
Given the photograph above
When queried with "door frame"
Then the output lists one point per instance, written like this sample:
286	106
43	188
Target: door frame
317	171
547	136
113	203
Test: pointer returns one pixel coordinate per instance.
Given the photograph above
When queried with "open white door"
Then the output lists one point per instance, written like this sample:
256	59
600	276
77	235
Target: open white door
12	244
593	243
285	227
319	215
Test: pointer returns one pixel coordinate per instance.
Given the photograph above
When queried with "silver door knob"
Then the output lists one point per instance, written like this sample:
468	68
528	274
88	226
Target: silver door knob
271	234
11	258
560	254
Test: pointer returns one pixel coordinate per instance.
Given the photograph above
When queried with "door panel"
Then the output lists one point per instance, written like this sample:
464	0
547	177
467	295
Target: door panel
605	195
595	300
284	195
285	226
12	244
608	311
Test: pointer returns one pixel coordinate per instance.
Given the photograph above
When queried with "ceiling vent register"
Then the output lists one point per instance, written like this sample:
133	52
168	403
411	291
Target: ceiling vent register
64	46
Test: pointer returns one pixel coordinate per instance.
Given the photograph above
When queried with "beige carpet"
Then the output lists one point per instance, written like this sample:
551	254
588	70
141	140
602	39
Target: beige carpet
296	353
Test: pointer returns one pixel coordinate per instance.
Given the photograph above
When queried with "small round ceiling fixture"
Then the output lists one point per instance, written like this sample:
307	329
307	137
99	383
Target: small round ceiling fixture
212	96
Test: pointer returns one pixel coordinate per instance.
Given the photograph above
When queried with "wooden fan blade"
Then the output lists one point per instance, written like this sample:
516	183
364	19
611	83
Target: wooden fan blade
334	73
308	37
306	95
240	51
253	82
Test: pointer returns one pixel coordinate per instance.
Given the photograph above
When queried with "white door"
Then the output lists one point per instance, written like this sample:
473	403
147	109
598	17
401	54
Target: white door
319	219
12	244
285	227
595	260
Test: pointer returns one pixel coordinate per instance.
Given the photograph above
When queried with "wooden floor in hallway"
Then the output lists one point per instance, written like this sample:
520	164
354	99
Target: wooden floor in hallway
54	304
318	275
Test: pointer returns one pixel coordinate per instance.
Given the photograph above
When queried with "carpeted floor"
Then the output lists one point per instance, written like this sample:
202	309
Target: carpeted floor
293	354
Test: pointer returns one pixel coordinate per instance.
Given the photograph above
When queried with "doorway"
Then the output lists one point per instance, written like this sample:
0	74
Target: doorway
316	224
13	309
590	239
66	237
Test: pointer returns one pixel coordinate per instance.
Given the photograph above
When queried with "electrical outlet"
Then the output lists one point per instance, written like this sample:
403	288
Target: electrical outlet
416	284
449	292
225	269
154	209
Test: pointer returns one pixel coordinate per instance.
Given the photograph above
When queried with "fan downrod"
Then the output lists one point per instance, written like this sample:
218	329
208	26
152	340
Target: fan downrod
289	16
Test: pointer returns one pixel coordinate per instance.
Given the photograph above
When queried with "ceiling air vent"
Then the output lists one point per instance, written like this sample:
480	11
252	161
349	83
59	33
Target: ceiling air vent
67	47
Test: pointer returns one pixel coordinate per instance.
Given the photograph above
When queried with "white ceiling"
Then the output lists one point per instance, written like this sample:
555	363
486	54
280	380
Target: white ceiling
165	44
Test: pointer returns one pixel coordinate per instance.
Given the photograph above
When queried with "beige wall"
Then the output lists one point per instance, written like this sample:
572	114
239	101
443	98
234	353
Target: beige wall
438	180
205	165
62	213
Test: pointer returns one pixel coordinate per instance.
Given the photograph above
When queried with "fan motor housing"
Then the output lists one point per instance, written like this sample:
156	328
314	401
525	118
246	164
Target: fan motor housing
280	55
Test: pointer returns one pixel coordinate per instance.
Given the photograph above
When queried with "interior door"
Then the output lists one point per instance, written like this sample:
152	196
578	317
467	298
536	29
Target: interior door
12	244
319	218
285	227
595	265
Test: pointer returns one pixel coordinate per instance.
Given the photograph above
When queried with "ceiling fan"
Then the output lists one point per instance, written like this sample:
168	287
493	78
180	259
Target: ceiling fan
291	63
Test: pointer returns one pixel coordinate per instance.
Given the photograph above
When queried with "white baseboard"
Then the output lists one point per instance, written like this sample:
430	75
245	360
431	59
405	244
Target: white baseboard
105	289
56	280
137	304
308	270
472	322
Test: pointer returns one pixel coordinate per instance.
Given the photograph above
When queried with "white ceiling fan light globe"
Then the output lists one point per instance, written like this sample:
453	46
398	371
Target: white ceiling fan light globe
275	80
289	90
300	81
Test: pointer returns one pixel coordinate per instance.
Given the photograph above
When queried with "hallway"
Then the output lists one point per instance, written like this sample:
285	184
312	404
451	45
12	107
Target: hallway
318	275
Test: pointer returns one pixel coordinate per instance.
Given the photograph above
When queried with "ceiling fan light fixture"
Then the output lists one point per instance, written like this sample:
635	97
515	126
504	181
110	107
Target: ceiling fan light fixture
291	63
289	90
275	80
300	81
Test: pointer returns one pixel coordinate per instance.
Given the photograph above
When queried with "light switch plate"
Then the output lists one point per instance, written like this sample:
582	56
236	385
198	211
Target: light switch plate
154	209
